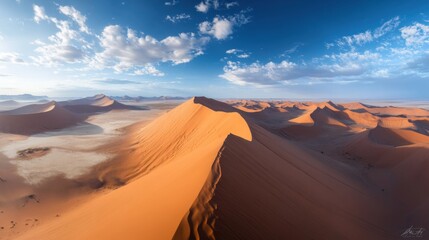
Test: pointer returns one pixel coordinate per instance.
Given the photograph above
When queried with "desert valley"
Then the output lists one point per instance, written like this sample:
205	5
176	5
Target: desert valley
96	168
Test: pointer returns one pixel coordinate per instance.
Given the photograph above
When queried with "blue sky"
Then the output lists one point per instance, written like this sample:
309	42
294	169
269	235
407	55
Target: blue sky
232	48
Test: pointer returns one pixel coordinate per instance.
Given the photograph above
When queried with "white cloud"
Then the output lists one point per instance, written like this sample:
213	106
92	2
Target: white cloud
10	57
232	51
256	73
178	17
149	69
39	14
66	45
387	27
124	49
243	55
237	52
416	34
332	68
367	36
172	3
231	4
76	16
221	27
203	7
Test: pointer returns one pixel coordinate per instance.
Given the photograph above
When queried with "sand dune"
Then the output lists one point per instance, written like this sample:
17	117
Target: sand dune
169	159
97	103
211	170
37	118
396	137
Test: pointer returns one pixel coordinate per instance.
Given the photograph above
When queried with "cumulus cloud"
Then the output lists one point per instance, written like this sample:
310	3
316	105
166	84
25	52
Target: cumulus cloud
10	57
416	34
66	45
203	7
222	27
178	17
124	49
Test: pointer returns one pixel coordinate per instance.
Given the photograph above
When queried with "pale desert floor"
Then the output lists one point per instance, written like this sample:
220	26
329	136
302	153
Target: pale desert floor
71	152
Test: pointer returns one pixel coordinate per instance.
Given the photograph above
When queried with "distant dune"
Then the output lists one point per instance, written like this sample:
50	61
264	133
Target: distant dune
140	98
37	118
9	103
22	97
97	103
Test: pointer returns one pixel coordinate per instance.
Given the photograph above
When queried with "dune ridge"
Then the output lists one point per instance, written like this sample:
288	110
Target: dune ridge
169	159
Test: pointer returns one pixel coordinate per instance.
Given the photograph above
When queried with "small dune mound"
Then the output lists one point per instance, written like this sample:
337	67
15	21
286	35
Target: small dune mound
396	111
396	137
364	119
9	103
37	118
305	118
250	105
322	116
31	109
355	106
395	122
330	117
422	125
97	103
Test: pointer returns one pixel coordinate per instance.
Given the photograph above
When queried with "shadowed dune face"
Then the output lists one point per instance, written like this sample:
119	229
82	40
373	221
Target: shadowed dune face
257	170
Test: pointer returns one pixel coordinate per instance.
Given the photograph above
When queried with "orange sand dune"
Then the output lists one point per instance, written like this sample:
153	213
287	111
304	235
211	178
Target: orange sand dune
395	122
169	162
396	137
37	118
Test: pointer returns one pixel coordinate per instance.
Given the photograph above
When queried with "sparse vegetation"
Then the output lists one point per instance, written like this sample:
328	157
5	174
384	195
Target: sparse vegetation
33	152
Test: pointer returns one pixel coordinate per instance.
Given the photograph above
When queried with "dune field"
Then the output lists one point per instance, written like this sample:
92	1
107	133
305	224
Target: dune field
95	168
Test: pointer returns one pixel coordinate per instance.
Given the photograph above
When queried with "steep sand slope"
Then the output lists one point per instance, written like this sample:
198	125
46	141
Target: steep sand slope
37	118
270	188
169	162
